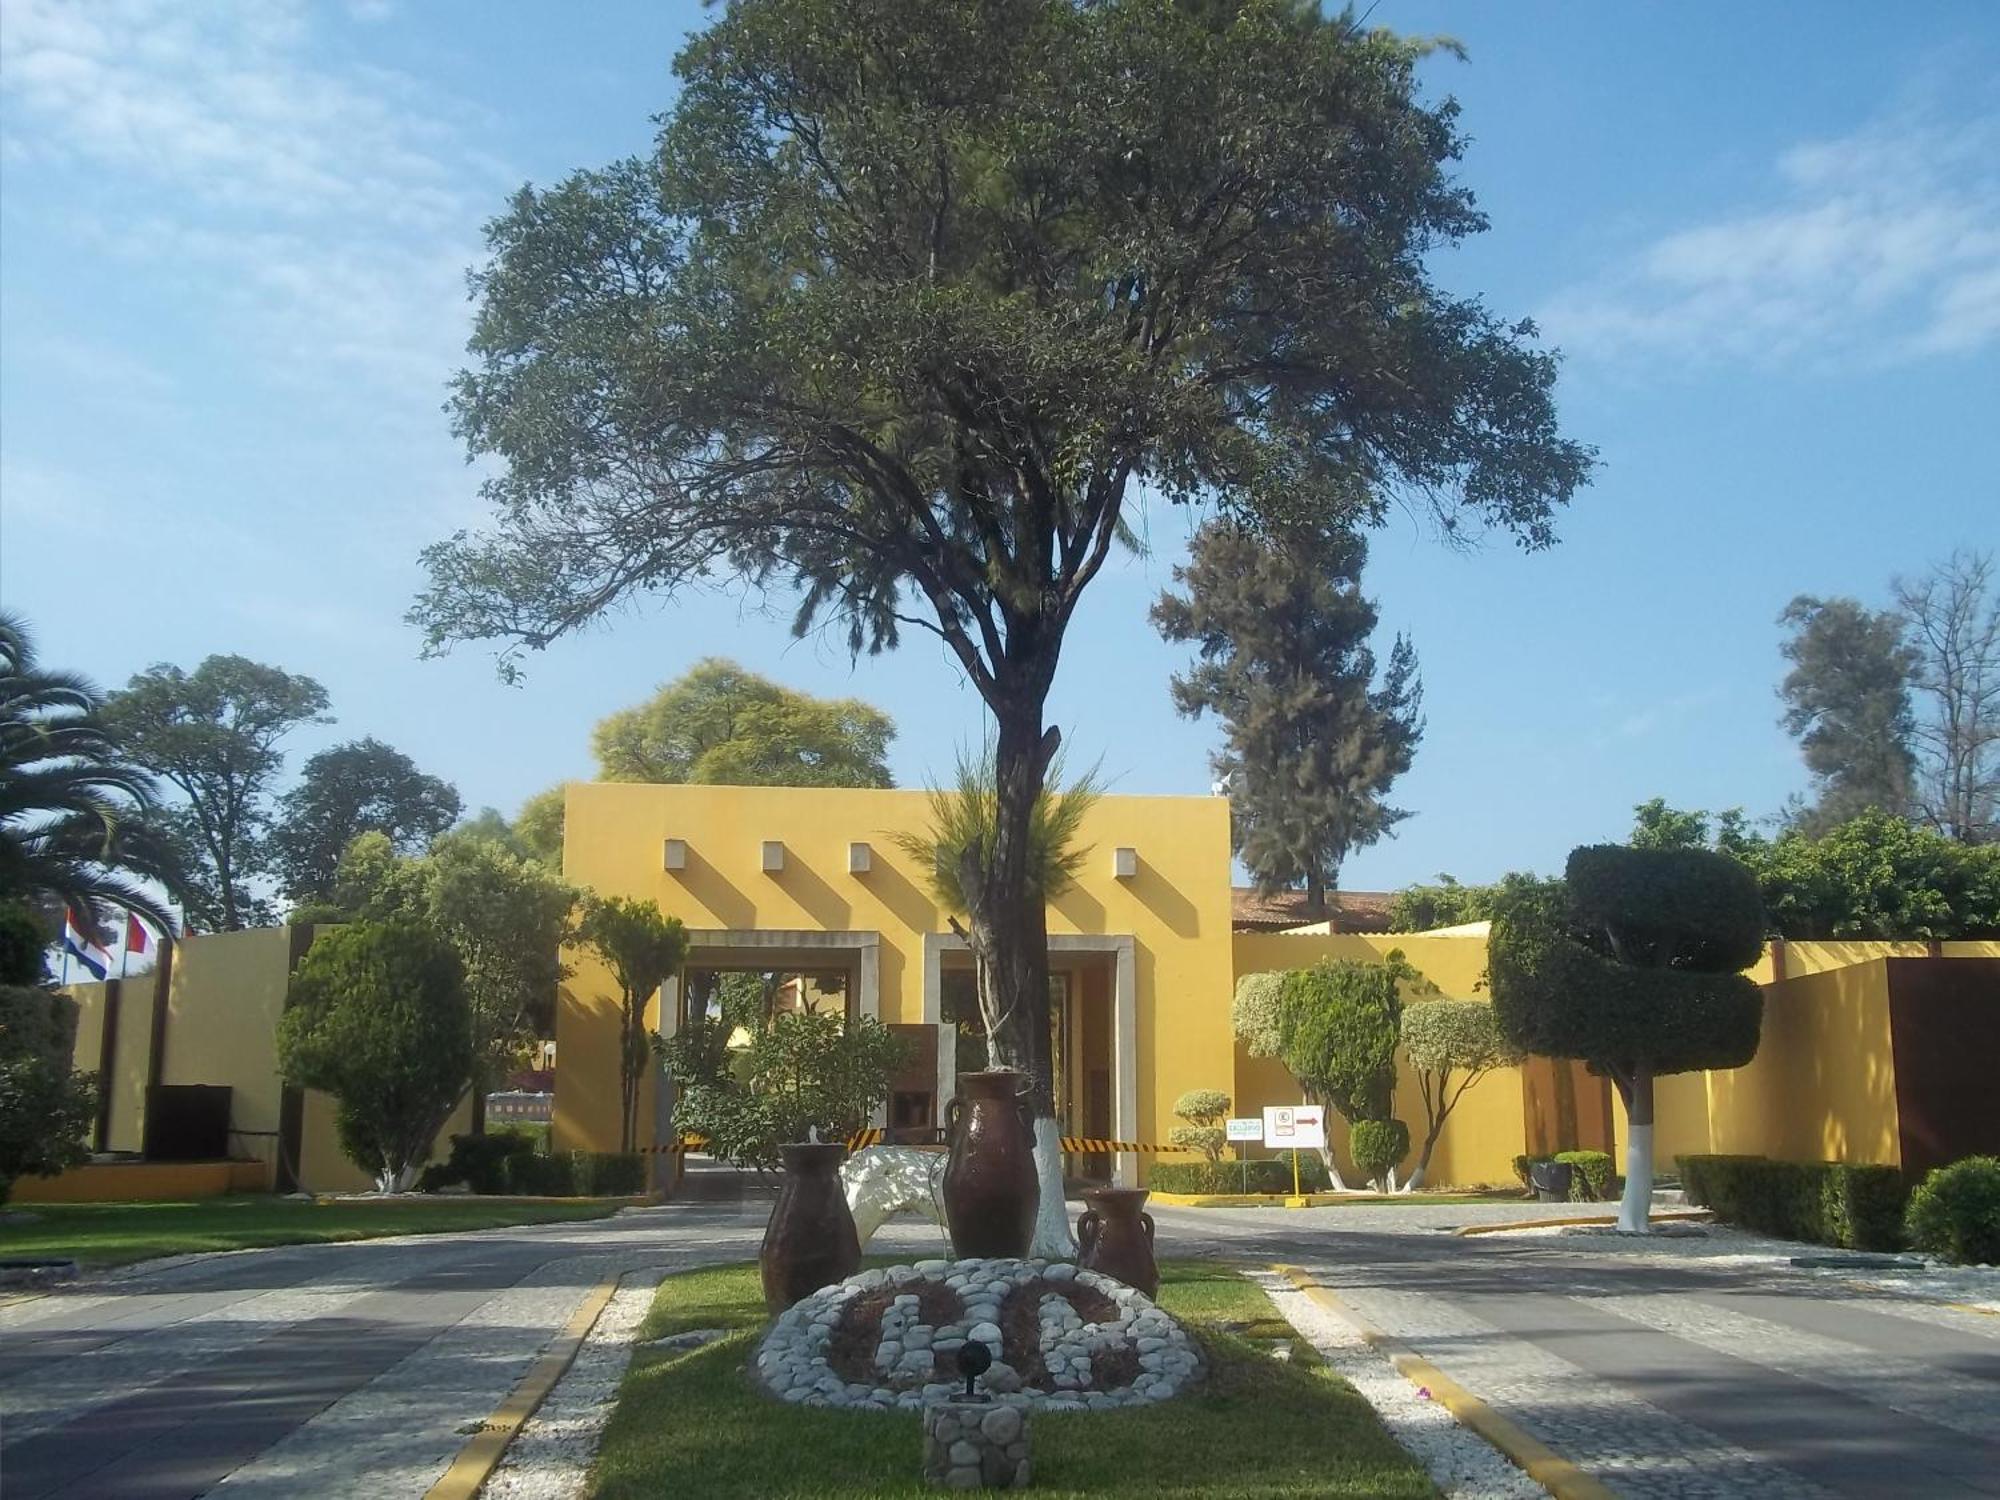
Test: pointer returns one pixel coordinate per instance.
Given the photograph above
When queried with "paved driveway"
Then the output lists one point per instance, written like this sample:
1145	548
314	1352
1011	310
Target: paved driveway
360	1369
1664	1375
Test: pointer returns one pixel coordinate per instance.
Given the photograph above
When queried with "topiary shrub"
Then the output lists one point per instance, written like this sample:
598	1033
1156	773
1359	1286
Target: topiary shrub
609	1174
1955	1212
1203	1110
1377	1146
485	1163
1592	1180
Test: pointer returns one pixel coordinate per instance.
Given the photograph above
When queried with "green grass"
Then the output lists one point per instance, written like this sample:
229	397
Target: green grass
1253	1429
110	1234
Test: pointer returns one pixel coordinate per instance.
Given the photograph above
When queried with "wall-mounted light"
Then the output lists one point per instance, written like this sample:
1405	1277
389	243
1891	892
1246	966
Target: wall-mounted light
675	855
860	859
774	856
1124	862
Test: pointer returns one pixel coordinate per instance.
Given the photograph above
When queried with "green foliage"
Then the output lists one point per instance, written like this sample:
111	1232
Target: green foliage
78	823
1420	908
1876	876
1827	1203
1450	1045
23	945
214	735
1684	909
643	949
1955	1212
1203	1106
576	1174
1340	1025
1257	1013
721	725
806	1071
1847	702
484	1163
538	826
46	1110
1559	992
1209	1140
1312	739
376	1016
1264	1175
1591	1177
348	790
1377	1146
965	817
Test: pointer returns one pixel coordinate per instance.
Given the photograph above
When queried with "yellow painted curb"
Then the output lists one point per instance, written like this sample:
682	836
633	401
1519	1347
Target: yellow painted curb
478	1459
1692	1215
1529	1454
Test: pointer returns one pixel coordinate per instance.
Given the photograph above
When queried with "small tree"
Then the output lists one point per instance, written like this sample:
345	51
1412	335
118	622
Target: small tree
643	950
1258	1013
1338	1027
1419	908
45	1109
1632	963
1377	1146
1203	1110
808	1073
377	1018
1451	1045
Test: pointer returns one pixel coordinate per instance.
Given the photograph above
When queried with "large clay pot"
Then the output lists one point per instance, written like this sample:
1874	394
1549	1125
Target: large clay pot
1115	1238
810	1241
990	1191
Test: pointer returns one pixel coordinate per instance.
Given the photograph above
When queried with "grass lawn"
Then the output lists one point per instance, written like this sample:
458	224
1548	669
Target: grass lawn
1253	1429
111	1234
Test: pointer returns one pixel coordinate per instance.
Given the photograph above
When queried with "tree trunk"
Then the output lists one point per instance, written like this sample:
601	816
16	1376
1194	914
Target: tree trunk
1634	1208
1010	939
1315	895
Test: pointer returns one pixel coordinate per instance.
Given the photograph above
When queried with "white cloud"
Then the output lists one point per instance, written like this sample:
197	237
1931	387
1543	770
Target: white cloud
1881	246
328	208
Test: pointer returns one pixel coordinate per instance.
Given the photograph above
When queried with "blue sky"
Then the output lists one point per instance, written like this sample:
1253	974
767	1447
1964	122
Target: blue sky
1767	237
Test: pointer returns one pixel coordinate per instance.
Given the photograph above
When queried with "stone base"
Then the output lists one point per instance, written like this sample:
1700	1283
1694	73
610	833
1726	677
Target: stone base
970	1445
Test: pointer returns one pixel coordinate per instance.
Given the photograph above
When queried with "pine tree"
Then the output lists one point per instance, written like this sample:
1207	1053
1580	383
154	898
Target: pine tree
1313	740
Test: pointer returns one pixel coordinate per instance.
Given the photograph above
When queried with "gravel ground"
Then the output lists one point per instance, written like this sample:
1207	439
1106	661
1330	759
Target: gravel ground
1461	1462
1724	1248
549	1458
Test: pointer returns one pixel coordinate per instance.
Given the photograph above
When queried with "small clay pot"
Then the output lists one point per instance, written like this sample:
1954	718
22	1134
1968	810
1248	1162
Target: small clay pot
810	1241
1115	1238
989	1189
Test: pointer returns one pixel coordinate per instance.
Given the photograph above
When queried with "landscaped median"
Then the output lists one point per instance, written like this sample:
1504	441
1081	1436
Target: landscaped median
1256	1427
1322	1200
111	1234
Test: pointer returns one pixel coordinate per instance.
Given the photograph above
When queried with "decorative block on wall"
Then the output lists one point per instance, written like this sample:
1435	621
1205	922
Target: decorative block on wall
774	856
860	859
676	854
1124	862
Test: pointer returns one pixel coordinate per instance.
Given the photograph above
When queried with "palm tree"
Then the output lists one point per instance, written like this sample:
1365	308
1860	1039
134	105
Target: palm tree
73	808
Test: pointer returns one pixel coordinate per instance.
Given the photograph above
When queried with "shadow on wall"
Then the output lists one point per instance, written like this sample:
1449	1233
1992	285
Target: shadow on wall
815	897
706	885
1159	896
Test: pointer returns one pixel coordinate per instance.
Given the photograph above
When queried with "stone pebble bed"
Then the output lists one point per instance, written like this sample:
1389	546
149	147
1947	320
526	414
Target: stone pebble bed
1060	1339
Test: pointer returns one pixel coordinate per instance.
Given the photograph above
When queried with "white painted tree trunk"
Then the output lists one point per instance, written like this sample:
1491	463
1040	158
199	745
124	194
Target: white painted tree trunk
1416	1178
1634	1209
1333	1178
396	1179
1053	1240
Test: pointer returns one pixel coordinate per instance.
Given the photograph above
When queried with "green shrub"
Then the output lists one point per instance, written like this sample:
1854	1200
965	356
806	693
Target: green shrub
1955	1212
1827	1203
1592	1180
1377	1145
543	1176
1266	1175
608	1174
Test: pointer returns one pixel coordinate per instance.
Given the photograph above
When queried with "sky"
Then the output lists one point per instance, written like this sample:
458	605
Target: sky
1765	237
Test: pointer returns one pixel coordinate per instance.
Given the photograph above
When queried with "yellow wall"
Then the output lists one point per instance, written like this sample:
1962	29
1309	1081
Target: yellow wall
1484	1133
1176	909
143	1182
223	1002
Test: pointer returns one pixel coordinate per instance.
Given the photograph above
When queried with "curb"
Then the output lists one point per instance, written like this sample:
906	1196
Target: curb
1529	1454
1690	1215
478	1459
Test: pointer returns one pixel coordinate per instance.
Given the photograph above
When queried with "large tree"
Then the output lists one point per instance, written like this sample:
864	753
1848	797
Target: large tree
1952	615
916	295
76	811
1847	703
214	734
361	787
721	725
1312	738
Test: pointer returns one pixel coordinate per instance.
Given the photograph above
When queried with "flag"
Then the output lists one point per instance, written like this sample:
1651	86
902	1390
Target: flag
79	945
135	934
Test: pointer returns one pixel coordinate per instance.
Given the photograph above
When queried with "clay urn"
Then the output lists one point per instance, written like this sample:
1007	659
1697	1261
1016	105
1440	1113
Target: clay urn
1114	1237
990	1192
810	1241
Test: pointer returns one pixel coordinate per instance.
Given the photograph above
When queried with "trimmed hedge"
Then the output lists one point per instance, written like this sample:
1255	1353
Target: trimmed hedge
506	1162
1268	1175
1706	904
1592	1180
1377	1145
1955	1212
1827	1203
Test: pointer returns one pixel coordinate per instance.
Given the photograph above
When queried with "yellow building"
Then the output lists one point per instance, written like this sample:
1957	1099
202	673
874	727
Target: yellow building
1865	1055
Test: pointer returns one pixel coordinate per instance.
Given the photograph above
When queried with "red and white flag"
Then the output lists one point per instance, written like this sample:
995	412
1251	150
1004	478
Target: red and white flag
137	939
